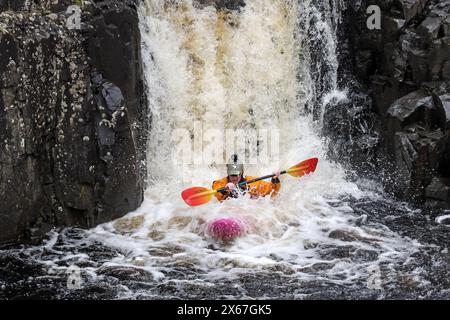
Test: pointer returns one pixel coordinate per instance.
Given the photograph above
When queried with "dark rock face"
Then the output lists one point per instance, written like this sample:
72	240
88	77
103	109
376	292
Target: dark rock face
70	102
352	129
350	124
404	68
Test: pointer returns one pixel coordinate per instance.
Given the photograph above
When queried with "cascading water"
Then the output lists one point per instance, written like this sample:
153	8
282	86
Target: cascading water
209	71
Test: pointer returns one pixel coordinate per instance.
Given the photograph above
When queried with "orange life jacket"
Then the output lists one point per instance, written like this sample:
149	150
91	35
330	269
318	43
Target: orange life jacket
256	189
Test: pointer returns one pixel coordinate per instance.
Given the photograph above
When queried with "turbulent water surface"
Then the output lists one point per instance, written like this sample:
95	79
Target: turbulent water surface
256	72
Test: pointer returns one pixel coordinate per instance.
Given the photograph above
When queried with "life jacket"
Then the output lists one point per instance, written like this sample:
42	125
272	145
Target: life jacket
256	189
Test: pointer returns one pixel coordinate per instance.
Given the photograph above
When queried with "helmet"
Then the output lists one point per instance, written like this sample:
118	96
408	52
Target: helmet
234	166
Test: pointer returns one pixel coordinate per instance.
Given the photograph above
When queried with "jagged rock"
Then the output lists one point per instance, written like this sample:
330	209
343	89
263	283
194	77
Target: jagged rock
411	8
416	107
430	27
417	158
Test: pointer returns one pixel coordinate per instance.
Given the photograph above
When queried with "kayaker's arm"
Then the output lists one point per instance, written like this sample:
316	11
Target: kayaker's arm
276	186
222	194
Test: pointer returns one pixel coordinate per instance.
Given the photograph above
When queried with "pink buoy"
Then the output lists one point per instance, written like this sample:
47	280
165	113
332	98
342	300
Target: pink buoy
225	229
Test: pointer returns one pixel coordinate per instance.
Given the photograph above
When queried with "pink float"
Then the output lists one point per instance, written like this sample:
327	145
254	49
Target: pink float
225	229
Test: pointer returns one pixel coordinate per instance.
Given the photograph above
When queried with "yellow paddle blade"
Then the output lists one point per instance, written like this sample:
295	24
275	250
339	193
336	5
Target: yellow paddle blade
305	167
197	196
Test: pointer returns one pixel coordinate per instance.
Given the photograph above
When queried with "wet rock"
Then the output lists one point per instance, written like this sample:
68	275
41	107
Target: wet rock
128	224
352	127
156	252
180	222
283	268
308	244
416	157
332	252
416	107
438	189
156	235
416	122
361	255
344	235
126	273
317	267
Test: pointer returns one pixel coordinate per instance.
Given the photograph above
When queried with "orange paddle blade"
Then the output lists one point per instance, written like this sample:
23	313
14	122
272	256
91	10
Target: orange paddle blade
197	196
305	167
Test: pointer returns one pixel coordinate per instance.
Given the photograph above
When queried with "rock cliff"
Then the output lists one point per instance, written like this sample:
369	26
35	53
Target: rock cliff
71	124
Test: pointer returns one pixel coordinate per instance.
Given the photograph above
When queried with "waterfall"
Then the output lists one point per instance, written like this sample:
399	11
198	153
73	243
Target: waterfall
256	71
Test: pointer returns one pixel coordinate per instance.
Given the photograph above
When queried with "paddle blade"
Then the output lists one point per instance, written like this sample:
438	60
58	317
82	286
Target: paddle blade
305	167
197	196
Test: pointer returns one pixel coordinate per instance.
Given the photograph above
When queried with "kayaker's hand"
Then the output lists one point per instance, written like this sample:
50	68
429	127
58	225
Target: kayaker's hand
277	174
230	186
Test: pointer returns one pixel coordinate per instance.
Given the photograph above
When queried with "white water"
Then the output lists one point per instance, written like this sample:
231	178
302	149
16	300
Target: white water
240	70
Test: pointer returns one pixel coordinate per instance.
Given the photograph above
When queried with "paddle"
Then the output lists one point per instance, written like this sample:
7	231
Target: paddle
197	196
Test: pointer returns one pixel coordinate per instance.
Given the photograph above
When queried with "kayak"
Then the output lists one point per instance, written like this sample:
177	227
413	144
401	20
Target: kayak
225	229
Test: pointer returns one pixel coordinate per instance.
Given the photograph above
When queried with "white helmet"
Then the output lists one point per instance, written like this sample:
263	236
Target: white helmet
234	166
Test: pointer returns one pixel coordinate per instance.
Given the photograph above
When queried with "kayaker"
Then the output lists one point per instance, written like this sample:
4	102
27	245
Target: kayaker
235	171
